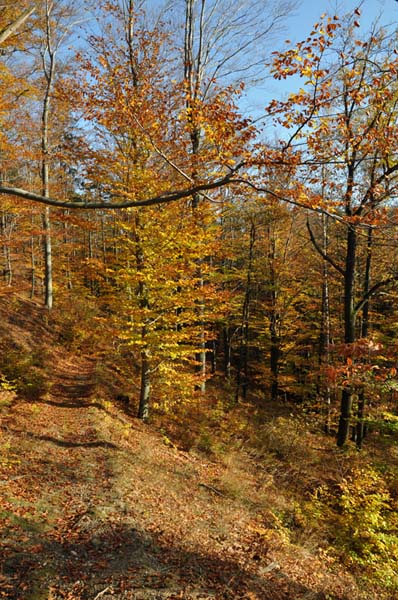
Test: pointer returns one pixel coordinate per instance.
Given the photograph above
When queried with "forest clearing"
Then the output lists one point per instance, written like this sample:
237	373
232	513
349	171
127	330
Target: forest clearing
198	303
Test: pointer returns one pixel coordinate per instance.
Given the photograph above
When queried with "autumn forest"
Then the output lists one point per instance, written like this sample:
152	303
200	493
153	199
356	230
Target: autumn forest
219	280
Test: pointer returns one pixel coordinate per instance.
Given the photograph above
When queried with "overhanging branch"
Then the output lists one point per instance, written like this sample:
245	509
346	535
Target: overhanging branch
164	198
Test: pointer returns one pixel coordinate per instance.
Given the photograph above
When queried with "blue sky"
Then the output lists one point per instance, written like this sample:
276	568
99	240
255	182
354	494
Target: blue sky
299	26
309	11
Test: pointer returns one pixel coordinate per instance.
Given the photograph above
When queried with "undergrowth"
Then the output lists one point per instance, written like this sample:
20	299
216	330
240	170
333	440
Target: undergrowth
22	371
341	506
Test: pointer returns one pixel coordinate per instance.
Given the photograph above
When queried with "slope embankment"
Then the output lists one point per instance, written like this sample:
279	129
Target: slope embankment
93	504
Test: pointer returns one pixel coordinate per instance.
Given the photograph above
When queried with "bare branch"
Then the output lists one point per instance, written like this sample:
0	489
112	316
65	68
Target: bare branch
281	198
12	28
373	290
324	255
164	198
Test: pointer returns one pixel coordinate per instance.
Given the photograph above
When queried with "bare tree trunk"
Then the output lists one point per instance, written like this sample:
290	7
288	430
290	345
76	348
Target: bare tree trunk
192	76
10	29
48	262
145	354
145	388
275	349
324	336
242	367
227	344
68	271
360	426
48	58
32	262
349	332
7	270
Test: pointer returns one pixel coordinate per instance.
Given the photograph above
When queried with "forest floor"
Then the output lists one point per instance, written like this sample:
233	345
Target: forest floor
96	505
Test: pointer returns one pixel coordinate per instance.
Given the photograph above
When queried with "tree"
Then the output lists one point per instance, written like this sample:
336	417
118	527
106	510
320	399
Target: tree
220	44
141	125
346	116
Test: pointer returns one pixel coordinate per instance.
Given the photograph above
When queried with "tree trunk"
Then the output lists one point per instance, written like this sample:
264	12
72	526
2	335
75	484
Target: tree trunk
324	336
201	355
349	332
145	387
360	426
192	77
49	72
145	355
48	268
227	342
7	270
32	262
243	360
274	358
275	346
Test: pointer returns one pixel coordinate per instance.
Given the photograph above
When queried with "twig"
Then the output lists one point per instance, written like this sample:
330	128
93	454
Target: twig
101	593
212	489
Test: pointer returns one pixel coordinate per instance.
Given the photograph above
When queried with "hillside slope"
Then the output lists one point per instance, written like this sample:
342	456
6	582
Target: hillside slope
94	504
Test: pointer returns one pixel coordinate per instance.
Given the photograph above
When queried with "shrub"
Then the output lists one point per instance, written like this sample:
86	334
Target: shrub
363	522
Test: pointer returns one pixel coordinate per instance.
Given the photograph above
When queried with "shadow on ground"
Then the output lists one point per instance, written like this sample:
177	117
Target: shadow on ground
132	563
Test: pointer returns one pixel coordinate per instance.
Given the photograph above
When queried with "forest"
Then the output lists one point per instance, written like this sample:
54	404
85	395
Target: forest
210	289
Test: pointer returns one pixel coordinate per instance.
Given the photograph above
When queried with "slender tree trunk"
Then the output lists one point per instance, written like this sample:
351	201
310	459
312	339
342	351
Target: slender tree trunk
7	270
213	356
324	336
227	343
193	80
201	355
48	262
274	358
32	262
49	72
275	347
68	271
103	247
145	354
243	360
360	426
145	388
349	332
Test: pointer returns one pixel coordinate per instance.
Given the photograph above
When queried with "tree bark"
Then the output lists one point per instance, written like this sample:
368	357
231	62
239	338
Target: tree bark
324	336
243	360
275	342
349	332
360	426
49	72
145	388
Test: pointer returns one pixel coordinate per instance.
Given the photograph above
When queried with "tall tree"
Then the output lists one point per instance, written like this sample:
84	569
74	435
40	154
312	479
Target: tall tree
55	24
221	46
347	118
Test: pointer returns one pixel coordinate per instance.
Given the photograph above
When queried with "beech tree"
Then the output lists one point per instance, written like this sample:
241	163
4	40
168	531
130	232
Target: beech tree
221	46
141	125
346	115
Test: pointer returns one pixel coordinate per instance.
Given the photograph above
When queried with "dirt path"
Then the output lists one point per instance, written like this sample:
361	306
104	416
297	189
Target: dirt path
94	505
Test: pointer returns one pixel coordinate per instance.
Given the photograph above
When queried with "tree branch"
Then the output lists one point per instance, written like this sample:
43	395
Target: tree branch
375	288
281	198
325	256
11	29
164	198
